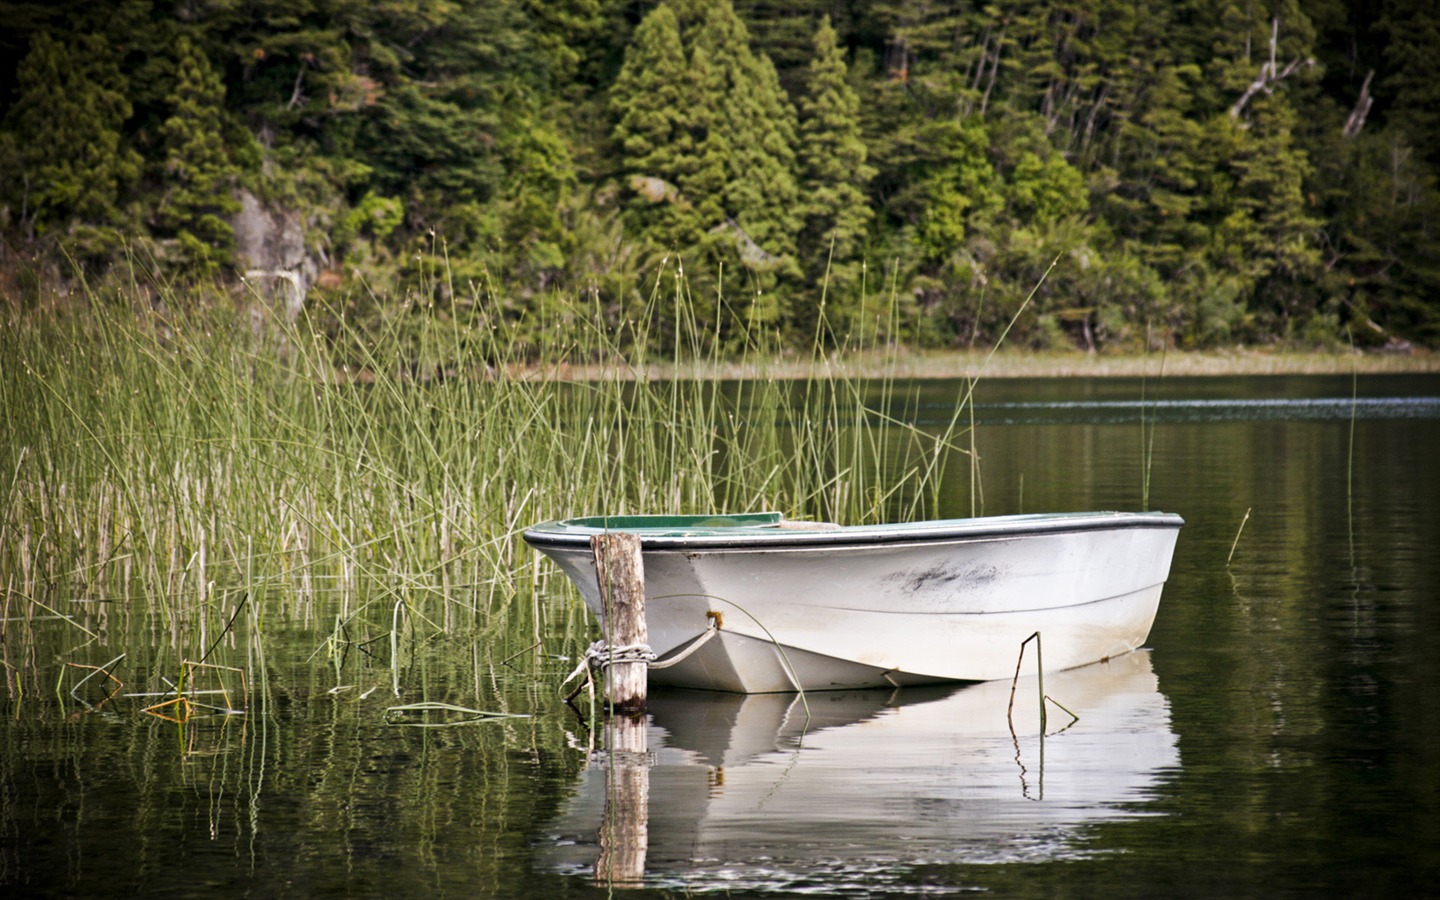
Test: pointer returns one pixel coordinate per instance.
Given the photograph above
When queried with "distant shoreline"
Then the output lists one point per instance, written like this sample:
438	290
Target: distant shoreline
1020	364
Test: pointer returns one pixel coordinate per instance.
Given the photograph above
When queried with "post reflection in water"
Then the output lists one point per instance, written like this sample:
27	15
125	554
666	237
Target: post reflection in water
625	827
749	791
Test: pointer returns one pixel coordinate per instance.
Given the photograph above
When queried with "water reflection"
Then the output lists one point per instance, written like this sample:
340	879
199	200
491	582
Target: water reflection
747	793
1101	412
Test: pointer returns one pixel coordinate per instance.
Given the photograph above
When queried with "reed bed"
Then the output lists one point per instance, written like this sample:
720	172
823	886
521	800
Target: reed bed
165	462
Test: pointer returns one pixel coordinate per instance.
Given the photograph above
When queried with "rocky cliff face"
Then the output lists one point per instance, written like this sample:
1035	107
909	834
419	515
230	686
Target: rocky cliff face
271	246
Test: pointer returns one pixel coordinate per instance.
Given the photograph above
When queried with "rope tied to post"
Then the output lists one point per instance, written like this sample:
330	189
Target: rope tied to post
599	656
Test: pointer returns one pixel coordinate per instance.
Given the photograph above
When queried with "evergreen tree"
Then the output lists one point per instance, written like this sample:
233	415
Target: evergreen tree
540	185
198	170
784	31
1385	239
708	142
1270	223
746	103
432	124
708	172
656	101
1162	174
72	164
1268	233
504	128
1413	76
960	190
834	173
922	35
565	31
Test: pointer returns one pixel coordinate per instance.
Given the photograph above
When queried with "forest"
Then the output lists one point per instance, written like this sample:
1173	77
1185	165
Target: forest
1190	174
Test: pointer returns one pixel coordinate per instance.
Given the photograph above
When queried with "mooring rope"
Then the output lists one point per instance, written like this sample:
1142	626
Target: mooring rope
698	643
599	656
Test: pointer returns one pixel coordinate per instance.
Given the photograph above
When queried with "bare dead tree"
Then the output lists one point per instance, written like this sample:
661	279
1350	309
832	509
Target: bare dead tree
1356	120
994	70
1269	75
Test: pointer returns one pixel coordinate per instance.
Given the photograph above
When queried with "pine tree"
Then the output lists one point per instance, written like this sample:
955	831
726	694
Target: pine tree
1162	169
566	31
1413	76
73	163
758	123
1385	232
199	173
658	130
784	30
1266	231
708	146
921	34
708	173
834	173
1279	237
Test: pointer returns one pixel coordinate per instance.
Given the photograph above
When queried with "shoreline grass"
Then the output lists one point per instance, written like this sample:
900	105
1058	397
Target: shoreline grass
1012	363
165	464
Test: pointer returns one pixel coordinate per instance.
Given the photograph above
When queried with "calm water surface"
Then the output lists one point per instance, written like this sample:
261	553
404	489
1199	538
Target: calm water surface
1279	735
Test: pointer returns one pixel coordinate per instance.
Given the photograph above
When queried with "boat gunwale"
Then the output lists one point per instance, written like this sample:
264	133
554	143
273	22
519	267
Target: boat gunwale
560	534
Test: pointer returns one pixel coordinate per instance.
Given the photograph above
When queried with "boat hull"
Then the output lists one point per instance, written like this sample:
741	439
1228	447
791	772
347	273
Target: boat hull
891	605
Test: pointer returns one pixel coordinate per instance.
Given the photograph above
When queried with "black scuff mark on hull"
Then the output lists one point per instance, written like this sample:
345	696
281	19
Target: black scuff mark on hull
941	576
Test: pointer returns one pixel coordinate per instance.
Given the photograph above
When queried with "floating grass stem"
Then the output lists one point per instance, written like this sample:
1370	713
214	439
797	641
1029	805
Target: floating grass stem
419	715
1235	543
1147	435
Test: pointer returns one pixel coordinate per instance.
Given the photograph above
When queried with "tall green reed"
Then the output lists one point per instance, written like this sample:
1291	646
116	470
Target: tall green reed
166	459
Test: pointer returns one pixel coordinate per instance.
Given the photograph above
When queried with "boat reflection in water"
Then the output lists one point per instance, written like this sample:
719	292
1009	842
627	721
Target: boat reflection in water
742	792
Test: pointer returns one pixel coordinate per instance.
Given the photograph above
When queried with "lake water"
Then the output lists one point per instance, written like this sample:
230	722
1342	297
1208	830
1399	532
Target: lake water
1280	733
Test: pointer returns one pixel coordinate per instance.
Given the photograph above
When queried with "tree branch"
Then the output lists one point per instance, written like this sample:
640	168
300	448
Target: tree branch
295	95
1269	75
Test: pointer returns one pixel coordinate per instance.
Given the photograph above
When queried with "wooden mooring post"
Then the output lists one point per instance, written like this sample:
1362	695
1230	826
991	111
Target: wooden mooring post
625	829
620	572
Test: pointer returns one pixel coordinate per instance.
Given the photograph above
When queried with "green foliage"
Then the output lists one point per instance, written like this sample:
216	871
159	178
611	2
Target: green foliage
198	169
1045	192
566	31
659	129
1412	77
758	124
1382	265
69	163
960	190
834	176
926	156
708	151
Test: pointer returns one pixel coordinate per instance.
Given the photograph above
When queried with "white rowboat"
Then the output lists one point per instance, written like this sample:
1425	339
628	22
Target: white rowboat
755	603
